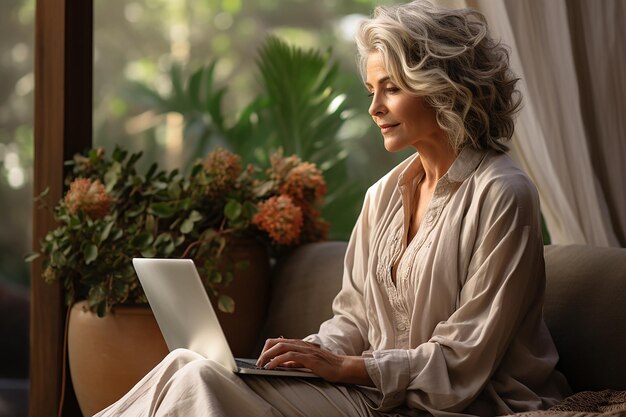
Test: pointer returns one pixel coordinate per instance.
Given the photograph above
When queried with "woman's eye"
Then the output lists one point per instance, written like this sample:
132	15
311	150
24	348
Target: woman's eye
388	90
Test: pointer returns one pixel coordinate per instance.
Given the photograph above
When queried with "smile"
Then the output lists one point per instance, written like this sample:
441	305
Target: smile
387	127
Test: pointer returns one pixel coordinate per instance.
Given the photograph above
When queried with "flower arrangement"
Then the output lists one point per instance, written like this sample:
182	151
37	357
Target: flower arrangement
110	214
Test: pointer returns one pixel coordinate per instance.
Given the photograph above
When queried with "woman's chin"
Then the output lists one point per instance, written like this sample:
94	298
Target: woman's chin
392	146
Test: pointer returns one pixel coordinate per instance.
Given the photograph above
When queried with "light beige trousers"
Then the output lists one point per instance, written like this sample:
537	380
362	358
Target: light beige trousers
186	384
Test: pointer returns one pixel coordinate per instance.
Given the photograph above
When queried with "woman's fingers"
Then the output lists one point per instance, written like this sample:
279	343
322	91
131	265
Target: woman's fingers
297	353
266	354
287	359
276	347
293	353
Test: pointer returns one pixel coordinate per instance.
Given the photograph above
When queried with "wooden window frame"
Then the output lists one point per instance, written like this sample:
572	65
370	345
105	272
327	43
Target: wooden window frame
62	127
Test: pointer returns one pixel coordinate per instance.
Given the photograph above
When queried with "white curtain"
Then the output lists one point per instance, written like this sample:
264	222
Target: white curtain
571	132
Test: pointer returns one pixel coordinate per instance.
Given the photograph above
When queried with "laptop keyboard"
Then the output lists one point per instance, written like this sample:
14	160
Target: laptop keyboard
247	364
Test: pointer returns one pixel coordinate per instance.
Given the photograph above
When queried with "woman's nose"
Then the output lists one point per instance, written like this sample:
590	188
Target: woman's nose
376	106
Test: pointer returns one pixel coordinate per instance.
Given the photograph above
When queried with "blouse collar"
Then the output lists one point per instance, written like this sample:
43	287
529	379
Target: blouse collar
463	166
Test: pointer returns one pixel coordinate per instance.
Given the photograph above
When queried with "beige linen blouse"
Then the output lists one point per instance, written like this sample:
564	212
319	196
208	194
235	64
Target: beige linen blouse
459	328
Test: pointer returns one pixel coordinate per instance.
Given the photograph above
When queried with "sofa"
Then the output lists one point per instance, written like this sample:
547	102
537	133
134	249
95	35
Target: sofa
585	310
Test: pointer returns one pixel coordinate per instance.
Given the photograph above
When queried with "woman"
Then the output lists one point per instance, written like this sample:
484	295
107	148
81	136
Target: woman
440	308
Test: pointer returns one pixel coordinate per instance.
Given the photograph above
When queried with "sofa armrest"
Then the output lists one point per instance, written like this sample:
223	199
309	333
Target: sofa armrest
585	310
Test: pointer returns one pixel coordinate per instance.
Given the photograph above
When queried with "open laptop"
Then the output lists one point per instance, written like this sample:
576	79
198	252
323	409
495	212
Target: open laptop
186	317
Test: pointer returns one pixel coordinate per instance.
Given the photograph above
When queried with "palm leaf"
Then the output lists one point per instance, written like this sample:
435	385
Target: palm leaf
300	86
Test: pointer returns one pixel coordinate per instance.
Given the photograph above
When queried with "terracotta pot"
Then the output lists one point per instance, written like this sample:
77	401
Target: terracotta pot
108	355
250	290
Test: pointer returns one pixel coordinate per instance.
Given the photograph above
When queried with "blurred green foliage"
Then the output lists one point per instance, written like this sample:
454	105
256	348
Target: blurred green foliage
215	65
141	41
299	109
16	137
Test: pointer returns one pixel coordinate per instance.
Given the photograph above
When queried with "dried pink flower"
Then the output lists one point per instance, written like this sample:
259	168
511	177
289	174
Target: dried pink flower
305	182
314	228
280	218
224	167
89	197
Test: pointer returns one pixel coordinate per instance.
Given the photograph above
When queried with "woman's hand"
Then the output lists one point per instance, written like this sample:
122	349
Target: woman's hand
296	353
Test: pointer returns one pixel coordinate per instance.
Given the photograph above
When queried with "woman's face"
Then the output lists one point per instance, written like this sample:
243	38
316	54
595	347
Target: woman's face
404	119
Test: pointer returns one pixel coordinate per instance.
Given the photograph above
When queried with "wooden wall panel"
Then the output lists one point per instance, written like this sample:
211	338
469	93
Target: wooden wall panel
63	126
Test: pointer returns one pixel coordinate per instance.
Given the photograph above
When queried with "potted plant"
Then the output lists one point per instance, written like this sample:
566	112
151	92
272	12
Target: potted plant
221	213
110	214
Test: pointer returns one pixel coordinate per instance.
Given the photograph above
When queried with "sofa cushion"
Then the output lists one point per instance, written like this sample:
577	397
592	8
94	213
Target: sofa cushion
585	310
303	287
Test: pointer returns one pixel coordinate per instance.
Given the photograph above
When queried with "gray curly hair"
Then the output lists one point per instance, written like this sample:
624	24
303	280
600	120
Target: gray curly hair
447	57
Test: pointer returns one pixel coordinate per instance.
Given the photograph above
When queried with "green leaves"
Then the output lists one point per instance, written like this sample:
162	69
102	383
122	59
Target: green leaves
90	252
233	210
106	231
142	240
305	106
196	98
112	176
189	222
29	257
226	303
162	210
56	256
163	246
